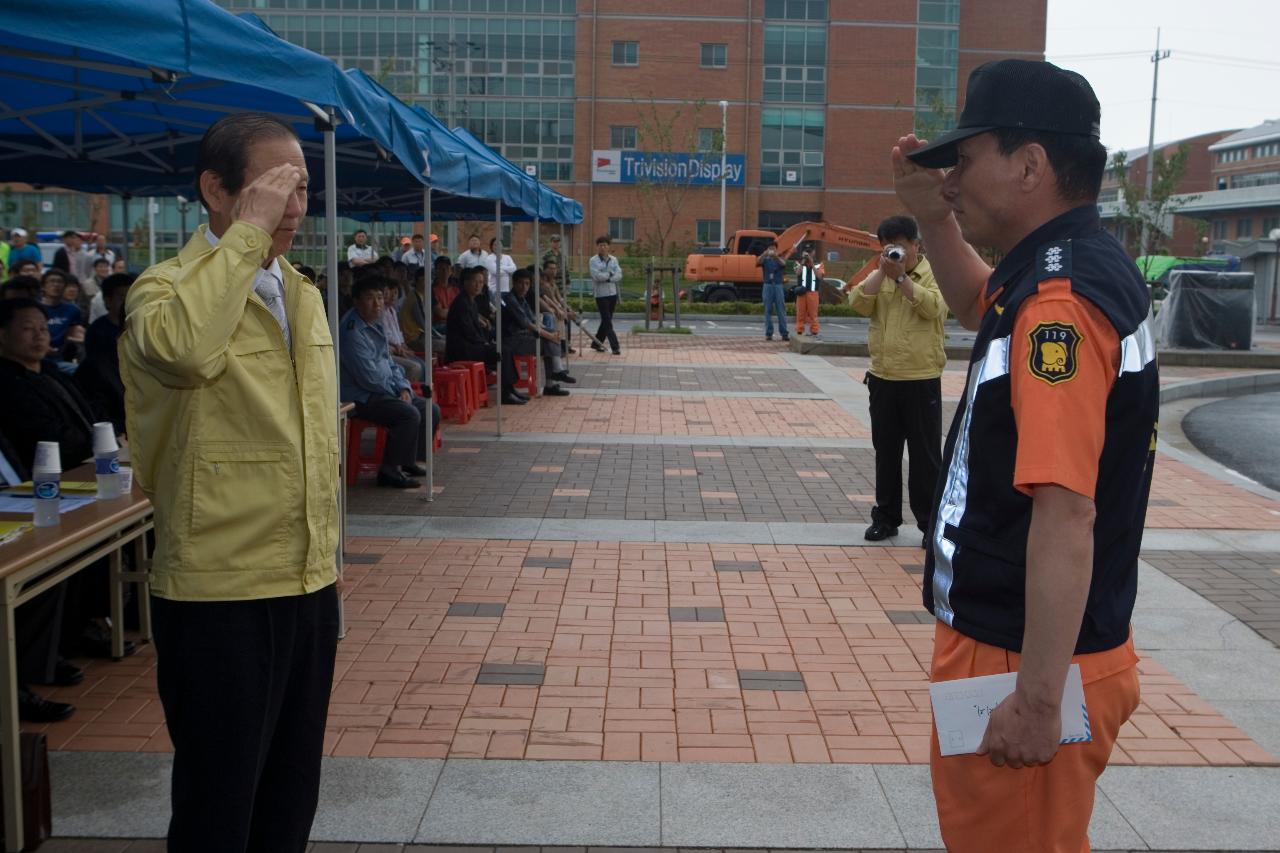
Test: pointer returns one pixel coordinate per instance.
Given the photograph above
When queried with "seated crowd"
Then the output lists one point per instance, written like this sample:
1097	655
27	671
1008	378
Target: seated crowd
390	322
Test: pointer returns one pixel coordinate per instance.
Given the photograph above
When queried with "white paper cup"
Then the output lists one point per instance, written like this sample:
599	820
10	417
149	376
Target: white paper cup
104	438
125	478
48	457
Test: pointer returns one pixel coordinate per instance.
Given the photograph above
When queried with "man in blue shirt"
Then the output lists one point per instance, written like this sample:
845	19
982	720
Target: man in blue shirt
775	301
377	385
20	250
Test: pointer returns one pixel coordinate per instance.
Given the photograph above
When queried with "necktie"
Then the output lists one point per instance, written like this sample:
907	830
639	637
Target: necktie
268	288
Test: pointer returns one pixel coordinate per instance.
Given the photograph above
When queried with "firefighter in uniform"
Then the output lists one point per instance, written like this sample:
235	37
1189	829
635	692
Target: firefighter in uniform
1033	553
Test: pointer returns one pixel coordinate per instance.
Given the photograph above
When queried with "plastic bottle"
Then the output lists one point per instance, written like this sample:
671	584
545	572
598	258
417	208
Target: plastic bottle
47	479
106	461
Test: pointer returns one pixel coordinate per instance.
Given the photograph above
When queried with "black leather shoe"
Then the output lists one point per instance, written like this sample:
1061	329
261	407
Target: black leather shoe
413	470
597	348
617	352
563	376
34	708
400	482
513	400
879	530
95	642
786	338
66	674
554	391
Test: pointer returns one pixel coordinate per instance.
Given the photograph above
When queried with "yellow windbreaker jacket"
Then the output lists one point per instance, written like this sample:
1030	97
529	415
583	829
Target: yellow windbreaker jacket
234	441
906	337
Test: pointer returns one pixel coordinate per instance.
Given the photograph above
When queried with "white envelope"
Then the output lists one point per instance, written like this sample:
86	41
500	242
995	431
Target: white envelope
962	708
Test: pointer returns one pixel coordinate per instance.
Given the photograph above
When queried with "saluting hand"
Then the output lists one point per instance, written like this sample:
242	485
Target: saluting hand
264	201
918	188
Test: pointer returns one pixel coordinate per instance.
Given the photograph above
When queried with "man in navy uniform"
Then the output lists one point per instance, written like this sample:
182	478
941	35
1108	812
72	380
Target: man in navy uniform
1033	556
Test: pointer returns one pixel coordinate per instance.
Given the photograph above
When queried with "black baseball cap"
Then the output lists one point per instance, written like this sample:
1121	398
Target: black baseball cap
1017	93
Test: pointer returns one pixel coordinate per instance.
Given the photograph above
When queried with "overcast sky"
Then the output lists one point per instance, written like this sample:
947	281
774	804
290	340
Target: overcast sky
1224	71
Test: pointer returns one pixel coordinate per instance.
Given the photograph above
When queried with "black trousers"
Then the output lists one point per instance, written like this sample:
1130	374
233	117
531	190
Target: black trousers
245	688
37	627
909	412
606	304
405	441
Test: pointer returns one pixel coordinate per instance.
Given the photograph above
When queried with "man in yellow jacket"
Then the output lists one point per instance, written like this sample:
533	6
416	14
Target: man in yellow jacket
231	404
905	381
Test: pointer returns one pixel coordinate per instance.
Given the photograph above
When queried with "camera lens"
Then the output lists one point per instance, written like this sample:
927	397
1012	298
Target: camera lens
895	253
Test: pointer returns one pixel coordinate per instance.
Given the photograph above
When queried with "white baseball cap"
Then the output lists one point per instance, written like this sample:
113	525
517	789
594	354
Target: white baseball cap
18	232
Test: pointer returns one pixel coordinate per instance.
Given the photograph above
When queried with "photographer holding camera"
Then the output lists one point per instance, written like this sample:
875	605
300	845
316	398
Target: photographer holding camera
905	381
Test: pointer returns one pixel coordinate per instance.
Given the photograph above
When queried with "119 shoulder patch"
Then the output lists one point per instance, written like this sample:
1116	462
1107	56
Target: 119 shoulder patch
1052	356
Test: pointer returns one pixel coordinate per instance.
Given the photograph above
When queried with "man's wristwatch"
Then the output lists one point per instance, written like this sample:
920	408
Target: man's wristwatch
900	279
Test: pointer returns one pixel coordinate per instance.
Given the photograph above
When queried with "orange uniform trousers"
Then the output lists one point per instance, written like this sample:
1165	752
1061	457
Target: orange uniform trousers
983	808
807	312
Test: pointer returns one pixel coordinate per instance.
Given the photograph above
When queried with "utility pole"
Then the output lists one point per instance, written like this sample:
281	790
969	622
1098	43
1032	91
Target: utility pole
1151	138
724	131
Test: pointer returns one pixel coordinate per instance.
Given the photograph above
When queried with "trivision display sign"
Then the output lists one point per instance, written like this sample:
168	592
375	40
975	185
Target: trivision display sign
617	166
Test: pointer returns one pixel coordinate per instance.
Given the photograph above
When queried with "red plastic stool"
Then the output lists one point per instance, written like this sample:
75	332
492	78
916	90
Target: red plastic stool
450	389
479	381
357	462
527	374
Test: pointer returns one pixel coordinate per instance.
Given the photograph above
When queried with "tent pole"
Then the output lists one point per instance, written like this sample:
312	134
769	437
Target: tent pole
124	235
497	286
151	231
427	337
537	304
331	271
563	284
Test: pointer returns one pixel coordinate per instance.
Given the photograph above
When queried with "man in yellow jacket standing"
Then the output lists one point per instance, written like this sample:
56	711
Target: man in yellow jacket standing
905	381
231	405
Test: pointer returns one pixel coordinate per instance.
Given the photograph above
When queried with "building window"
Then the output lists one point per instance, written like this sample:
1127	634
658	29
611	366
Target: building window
795	64
622	229
1244	228
1220	229
939	11
708	232
1110	194
1269	224
1235	155
937	63
622	136
714	56
1271	149
709	139
791	146
796	10
626	53
1257	179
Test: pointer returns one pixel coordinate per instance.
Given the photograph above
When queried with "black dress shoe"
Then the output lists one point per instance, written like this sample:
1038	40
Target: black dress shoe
563	376
617	352
66	674
513	400
95	642
597	348
554	391
414	470
879	530
397	482
34	708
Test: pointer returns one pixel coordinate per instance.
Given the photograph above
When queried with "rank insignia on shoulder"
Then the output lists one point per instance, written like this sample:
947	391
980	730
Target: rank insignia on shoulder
1053	260
1053	352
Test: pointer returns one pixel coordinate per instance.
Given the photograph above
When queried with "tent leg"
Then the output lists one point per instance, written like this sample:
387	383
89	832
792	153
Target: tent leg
428	433
497	332
331	272
537	305
124	230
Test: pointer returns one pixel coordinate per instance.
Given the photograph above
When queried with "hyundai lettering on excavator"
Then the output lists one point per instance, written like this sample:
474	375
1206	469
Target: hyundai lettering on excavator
730	274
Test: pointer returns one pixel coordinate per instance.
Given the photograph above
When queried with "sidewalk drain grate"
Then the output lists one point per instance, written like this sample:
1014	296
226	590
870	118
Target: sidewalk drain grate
476	608
547	562
510	673
696	614
759	679
738	566
910	617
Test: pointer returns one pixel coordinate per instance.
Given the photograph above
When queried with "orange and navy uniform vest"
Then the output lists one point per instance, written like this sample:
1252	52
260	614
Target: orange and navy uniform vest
1062	389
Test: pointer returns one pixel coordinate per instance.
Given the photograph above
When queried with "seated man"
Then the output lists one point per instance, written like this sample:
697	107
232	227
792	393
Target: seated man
377	385
21	287
400	353
553	303
99	374
413	313
444	289
521	329
467	336
62	315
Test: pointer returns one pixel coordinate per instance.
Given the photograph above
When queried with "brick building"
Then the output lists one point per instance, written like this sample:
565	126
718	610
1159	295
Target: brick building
1188	237
816	91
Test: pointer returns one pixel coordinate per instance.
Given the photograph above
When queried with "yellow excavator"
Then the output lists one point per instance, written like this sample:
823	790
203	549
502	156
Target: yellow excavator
730	274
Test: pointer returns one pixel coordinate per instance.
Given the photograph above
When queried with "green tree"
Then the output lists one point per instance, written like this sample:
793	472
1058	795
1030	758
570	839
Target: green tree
661	129
1149	220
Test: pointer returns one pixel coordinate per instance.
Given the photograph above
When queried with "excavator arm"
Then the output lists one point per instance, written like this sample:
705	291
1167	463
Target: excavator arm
825	232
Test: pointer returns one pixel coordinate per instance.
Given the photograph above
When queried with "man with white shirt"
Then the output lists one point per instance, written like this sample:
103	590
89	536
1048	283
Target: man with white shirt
500	271
230	394
415	255
474	256
360	253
